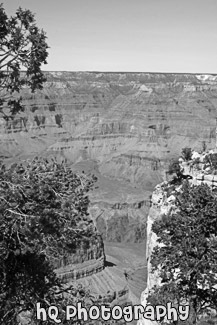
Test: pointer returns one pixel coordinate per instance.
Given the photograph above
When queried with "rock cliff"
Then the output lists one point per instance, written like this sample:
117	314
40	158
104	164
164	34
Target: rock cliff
162	203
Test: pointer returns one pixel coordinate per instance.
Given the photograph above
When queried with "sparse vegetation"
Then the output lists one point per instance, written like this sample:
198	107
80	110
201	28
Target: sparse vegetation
211	160
187	153
204	146
174	167
196	162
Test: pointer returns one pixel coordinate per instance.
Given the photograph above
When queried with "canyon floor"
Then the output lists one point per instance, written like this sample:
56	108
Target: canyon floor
129	258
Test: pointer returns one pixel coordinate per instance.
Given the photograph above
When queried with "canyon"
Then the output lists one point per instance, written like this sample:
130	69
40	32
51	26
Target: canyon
124	128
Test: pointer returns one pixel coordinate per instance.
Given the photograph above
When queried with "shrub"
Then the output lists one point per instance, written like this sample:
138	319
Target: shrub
211	160
174	167
187	153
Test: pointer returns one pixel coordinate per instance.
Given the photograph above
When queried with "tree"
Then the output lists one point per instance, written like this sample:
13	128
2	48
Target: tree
187	153
211	160
23	49
187	261
43	218
174	167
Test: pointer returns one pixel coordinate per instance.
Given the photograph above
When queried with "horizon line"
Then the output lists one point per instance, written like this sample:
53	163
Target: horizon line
122	72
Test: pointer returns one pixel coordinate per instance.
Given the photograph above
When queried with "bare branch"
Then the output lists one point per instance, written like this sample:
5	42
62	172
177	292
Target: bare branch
6	56
9	62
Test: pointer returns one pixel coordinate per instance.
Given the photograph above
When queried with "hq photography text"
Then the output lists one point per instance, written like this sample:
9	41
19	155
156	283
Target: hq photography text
128	313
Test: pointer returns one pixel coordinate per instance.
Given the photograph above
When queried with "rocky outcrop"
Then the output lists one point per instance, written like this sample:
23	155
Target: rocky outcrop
162	203
82	261
89	267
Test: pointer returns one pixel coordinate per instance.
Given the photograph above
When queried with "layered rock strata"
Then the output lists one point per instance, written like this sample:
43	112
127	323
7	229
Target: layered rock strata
132	120
82	261
128	124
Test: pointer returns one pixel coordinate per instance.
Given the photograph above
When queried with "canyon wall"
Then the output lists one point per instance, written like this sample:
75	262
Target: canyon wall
82	261
124	127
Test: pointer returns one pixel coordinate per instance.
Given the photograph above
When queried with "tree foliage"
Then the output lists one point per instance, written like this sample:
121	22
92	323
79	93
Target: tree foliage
174	167
23	49
211	160
43	218
187	259
187	153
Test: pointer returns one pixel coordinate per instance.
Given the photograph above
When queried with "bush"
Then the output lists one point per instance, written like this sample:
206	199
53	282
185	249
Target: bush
187	153
174	167
213	160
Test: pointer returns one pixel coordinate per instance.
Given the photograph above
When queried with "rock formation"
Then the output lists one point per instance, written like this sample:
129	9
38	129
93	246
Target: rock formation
163	204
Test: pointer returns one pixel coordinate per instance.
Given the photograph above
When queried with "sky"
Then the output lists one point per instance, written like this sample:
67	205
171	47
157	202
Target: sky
127	35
